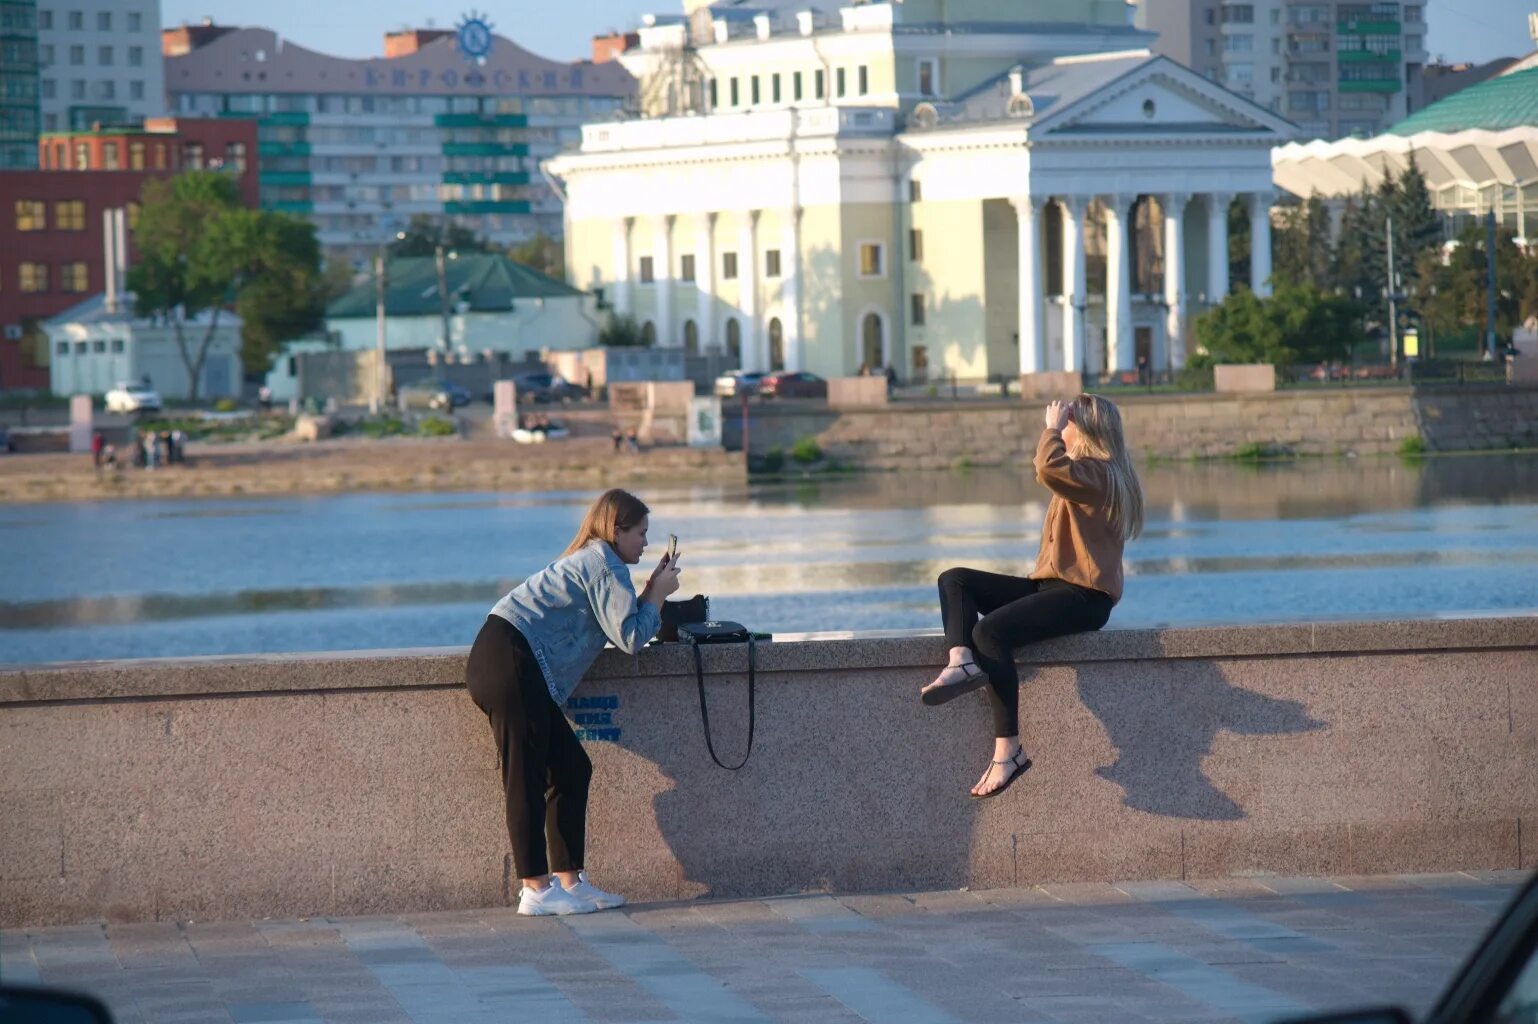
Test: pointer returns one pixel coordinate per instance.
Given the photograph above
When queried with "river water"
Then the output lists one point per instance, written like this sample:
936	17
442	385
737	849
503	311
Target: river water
1225	543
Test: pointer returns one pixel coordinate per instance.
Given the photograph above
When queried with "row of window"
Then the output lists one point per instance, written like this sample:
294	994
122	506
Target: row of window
74	278
138	156
74	21
82	347
872	264
102	89
68	215
106	56
209	104
755	90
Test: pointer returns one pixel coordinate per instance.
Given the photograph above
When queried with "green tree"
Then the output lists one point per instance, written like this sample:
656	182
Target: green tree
1352	269
1417	226
1299	324
1455	301
339	277
542	252
424	234
281	292
1301	242
622	332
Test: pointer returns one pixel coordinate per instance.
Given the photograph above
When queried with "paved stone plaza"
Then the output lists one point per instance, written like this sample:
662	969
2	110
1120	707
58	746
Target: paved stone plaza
1227	950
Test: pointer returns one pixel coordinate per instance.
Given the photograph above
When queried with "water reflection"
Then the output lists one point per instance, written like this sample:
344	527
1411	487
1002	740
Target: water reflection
1225	543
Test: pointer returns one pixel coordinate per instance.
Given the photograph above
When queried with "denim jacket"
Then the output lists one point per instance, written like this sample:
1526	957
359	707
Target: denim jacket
569	609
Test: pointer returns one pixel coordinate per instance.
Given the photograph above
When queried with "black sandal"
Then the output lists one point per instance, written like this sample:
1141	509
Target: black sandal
1020	769
936	694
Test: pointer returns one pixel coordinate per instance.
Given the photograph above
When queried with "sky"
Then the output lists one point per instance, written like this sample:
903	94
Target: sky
1459	30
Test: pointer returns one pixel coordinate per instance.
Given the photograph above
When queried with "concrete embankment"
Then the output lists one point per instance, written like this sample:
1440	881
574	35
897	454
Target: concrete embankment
212	788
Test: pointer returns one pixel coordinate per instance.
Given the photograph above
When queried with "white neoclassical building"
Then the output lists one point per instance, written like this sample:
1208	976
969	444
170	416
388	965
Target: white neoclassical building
982	188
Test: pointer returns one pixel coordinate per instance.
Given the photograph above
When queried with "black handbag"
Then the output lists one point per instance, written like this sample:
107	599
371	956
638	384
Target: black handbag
676	613
697	634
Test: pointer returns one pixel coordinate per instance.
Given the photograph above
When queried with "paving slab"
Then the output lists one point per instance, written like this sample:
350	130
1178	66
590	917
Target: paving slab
1186	952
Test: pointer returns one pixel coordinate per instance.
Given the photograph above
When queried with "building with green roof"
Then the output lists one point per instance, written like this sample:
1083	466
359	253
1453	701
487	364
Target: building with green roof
1478	149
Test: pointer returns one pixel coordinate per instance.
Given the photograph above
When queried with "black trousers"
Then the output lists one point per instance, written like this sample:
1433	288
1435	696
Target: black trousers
545	771
992	614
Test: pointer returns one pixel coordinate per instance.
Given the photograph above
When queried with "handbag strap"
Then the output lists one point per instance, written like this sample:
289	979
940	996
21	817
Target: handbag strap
699	678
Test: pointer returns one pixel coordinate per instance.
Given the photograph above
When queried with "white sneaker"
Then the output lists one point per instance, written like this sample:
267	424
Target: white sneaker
597	897
552	900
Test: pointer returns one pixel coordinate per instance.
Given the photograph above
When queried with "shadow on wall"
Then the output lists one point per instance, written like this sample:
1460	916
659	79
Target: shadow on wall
1162	719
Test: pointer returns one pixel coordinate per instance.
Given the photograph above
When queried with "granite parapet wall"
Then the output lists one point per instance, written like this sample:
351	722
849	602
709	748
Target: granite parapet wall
212	788
1348	421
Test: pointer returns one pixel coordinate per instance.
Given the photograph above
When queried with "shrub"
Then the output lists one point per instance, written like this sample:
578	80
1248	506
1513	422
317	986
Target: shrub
774	459
437	426
1412	447
382	426
225	405
806	451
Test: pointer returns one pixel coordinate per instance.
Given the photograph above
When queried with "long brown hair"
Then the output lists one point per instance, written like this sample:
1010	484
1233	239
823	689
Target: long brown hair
1098	423
613	511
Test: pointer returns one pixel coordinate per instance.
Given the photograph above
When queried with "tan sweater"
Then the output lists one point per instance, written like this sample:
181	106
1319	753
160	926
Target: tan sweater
1078	543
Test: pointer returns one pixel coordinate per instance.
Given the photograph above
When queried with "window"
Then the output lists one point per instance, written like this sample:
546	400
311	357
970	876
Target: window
1212	16
104	90
136	156
715	99
109	156
136	56
77	55
1412	12
1238	44
736	95
117	345
136	90
235	156
728	266
871	263
862	79
192	156
73	279
100	344
133	215
45	55
135	22
648	276
1239	14
1276	16
915	190
915	245
686	267
795	86
817	84
45	20
69	215
62	348
31	215
772	263
82	156
917	302
104	56
77	89
929	77
34	277
49	88
838	79
160	156
774	88
1276	46
104	21
76	21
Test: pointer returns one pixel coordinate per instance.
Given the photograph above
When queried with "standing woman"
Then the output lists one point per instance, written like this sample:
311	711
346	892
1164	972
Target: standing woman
1096	507
536	645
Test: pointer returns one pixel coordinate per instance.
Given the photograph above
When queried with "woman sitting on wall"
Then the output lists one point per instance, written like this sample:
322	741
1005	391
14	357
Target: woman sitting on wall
534	648
1096	507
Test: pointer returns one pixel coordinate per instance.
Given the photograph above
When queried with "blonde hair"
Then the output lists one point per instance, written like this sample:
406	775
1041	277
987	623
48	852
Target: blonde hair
1097	421
613	511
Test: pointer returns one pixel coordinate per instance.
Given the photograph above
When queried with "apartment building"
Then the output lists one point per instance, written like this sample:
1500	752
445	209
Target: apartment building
99	63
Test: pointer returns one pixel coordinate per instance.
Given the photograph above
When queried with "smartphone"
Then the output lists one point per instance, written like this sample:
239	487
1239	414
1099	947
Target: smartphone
672	546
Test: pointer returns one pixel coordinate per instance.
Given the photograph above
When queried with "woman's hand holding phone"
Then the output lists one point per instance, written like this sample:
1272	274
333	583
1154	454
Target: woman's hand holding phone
664	579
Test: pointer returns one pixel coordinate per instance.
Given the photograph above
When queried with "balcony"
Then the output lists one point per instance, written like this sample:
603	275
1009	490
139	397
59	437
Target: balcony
1376	85
1369	57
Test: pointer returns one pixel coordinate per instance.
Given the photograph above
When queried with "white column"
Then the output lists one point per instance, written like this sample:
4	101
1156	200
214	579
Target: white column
1073	283
1032	340
1217	246
790	287
662	269
747	279
705	278
620	300
1174	356
1260	243
1118	286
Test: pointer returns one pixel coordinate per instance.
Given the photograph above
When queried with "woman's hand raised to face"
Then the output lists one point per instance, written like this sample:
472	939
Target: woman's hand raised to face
1057	415
664	579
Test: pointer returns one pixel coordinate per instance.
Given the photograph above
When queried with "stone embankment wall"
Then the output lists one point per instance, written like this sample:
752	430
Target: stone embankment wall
211	788
1360	421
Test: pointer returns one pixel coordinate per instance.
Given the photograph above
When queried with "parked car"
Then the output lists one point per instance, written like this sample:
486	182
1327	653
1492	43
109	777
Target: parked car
441	395
736	383
793	384
128	396
538	386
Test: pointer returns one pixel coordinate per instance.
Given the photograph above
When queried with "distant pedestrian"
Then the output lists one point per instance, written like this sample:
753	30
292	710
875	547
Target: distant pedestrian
264	398
179	445
891	380
1096	507
532	650
632	442
140	456
98	442
619	439
109	458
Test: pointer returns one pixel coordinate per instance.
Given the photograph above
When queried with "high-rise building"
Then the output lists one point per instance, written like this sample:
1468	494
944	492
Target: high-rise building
18	83
99	63
450	125
1333	68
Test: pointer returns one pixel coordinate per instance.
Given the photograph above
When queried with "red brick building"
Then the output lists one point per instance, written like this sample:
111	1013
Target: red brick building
51	255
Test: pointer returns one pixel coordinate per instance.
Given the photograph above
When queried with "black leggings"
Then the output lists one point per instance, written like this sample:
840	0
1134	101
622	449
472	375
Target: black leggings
1015	612
545	771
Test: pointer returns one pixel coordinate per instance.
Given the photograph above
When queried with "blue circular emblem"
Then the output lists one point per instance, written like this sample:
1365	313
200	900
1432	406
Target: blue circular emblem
474	39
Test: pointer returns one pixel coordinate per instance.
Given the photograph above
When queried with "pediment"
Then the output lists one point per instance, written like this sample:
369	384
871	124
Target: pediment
1159	97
